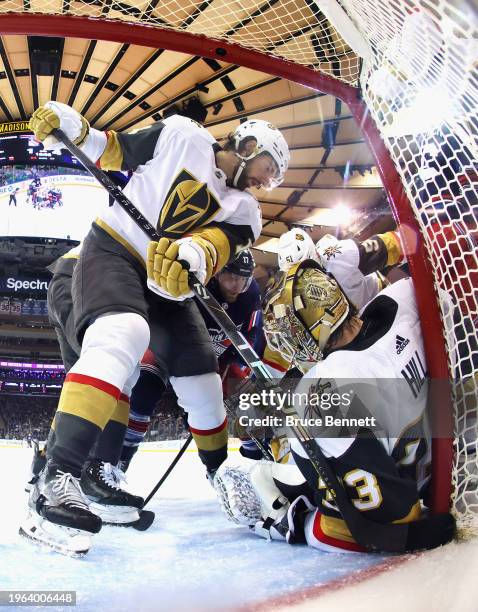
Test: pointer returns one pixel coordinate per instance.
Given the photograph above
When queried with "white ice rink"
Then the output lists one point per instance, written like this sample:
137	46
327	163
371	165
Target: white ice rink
193	559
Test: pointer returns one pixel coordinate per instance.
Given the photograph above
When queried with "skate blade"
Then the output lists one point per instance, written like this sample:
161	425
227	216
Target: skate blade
115	515
65	540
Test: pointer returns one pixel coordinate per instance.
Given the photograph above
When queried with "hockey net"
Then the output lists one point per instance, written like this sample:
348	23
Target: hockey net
414	62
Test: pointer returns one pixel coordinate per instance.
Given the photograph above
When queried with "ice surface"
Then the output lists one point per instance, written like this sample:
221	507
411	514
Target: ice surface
191	558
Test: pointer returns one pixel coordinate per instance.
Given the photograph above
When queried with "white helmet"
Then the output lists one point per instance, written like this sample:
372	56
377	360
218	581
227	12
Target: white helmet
294	246
268	140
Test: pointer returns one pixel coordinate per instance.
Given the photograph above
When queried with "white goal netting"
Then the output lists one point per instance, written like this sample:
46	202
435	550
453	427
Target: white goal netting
420	83
415	63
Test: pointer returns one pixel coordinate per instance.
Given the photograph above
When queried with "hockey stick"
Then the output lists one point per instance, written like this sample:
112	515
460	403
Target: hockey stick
181	452
427	533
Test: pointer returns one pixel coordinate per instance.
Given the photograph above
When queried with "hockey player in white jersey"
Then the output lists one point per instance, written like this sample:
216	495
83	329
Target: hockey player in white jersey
377	358
356	265
129	293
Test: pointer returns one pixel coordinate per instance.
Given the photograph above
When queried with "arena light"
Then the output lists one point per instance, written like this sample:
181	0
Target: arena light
330	217
421	116
343	214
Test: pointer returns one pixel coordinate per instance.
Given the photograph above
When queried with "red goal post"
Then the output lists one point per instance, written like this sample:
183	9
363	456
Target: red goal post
402	56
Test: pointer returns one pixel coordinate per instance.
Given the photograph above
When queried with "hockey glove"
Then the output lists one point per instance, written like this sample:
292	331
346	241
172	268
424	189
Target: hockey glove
288	526
57	115
168	264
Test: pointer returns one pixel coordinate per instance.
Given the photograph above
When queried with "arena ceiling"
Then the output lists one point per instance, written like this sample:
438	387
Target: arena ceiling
124	86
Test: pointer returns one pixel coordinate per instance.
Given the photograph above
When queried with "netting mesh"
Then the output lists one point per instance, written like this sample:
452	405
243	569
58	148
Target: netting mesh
420	84
419	80
294	30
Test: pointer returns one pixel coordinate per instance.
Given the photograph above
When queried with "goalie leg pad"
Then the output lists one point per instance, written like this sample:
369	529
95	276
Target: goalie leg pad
237	496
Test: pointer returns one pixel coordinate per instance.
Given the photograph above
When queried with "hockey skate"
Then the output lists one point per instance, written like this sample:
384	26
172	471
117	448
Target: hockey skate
101	483
38	463
59	517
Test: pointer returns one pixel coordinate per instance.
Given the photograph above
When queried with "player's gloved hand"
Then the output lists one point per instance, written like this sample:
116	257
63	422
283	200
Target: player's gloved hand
54	115
289	523
168	264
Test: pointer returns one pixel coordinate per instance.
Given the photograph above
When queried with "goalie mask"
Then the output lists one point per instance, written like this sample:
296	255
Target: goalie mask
295	246
301	311
256	137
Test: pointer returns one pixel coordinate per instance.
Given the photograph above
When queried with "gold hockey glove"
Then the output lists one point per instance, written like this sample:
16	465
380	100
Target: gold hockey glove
168	263
57	115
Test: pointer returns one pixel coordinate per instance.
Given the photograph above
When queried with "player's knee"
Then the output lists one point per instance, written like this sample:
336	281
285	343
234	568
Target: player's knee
113	346
201	397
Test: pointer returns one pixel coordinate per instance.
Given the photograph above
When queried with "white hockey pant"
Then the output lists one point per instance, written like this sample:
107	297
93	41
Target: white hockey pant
112	349
201	397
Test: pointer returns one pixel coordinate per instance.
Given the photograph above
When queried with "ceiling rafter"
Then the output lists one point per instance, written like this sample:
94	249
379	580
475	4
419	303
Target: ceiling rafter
33	77
82	72
102	82
344	143
308	124
12	81
119	92
56	76
329	135
245	22
345	186
183	94
263	109
147	14
309	207
5	110
196	13
340	168
137	101
267	235
242	92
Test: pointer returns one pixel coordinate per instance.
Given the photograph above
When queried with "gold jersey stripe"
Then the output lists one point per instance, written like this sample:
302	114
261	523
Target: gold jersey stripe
394	248
219	240
335	528
112	158
211	442
121	413
87	402
114	234
414	514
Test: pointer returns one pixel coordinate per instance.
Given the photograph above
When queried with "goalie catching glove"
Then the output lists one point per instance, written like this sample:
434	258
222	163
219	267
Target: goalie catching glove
169	262
55	115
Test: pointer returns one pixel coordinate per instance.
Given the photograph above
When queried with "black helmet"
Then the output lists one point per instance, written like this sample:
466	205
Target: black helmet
243	265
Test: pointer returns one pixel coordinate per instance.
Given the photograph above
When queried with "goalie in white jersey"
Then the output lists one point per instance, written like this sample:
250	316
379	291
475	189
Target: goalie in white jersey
129	293
375	362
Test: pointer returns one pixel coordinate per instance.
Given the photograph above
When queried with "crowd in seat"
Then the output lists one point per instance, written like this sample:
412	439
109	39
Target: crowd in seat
21	416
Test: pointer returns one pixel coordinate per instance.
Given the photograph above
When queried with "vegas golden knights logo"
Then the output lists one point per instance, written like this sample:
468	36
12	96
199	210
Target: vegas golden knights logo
189	204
